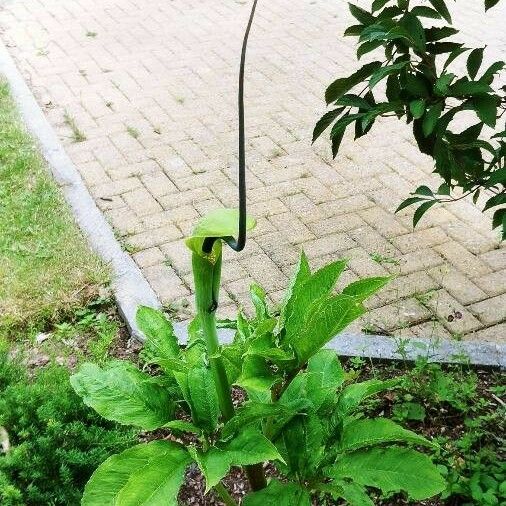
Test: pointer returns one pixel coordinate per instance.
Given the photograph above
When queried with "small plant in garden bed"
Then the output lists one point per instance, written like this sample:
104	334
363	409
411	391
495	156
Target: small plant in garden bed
302	413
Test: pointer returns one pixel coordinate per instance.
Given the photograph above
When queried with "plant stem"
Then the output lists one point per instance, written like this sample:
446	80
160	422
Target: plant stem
224	495
207	280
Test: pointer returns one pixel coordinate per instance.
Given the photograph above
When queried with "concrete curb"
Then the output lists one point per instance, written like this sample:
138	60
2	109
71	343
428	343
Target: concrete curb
131	288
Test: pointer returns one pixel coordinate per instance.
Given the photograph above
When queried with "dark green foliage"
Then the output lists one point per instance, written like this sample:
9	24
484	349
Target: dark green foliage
56	442
422	90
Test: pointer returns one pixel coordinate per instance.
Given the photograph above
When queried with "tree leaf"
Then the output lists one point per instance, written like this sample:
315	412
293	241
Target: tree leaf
431	117
463	87
383	72
408	202
341	86
486	108
247	448
415	29
490	3
417	216
366	432
325	121
203	398
279	494
440	6
442	84
392	470
422	11
378	5
145	475
417	108
361	15
474	62
122	393
488	75
364	288
354	101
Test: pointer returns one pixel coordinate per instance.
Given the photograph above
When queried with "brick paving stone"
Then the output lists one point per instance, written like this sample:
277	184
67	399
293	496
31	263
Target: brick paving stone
457	284
155	70
490	311
495	334
395	316
457	319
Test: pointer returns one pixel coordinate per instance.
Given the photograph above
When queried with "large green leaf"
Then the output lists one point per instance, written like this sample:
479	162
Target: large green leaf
301	274
325	318
203	398
486	109
353	493
363	433
364	288
252	412
341	86
325	121
352	395
318	285
145	475
161	342
247	448
122	393
279	494
391	470
463	87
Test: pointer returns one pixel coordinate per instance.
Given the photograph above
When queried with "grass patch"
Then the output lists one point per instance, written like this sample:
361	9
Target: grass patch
46	267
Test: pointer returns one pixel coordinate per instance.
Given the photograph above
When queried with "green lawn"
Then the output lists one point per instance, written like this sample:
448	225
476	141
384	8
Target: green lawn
46	267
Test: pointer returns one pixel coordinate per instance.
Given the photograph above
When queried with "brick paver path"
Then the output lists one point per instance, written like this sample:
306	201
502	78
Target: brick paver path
152	87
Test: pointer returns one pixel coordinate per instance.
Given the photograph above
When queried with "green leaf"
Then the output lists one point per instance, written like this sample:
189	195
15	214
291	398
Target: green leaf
486	109
490	3
420	211
474	62
408	202
145	475
325	121
488	75
203	398
438	33
122	393
257	378
364	433
367	47
417	108
454	54
422	11
442	84
161	341
337	138
303	439
354	101
352	493
319	284
252	412
378	5
392	470
341	86
361	15
417	85
279	494
383	72
325	318
432	115
217	223
463	87
415	29
354	30
440	6
364	288
352	395
259	300
247	448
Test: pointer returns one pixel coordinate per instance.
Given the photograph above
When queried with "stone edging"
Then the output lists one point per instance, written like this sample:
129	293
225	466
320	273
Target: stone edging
131	288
